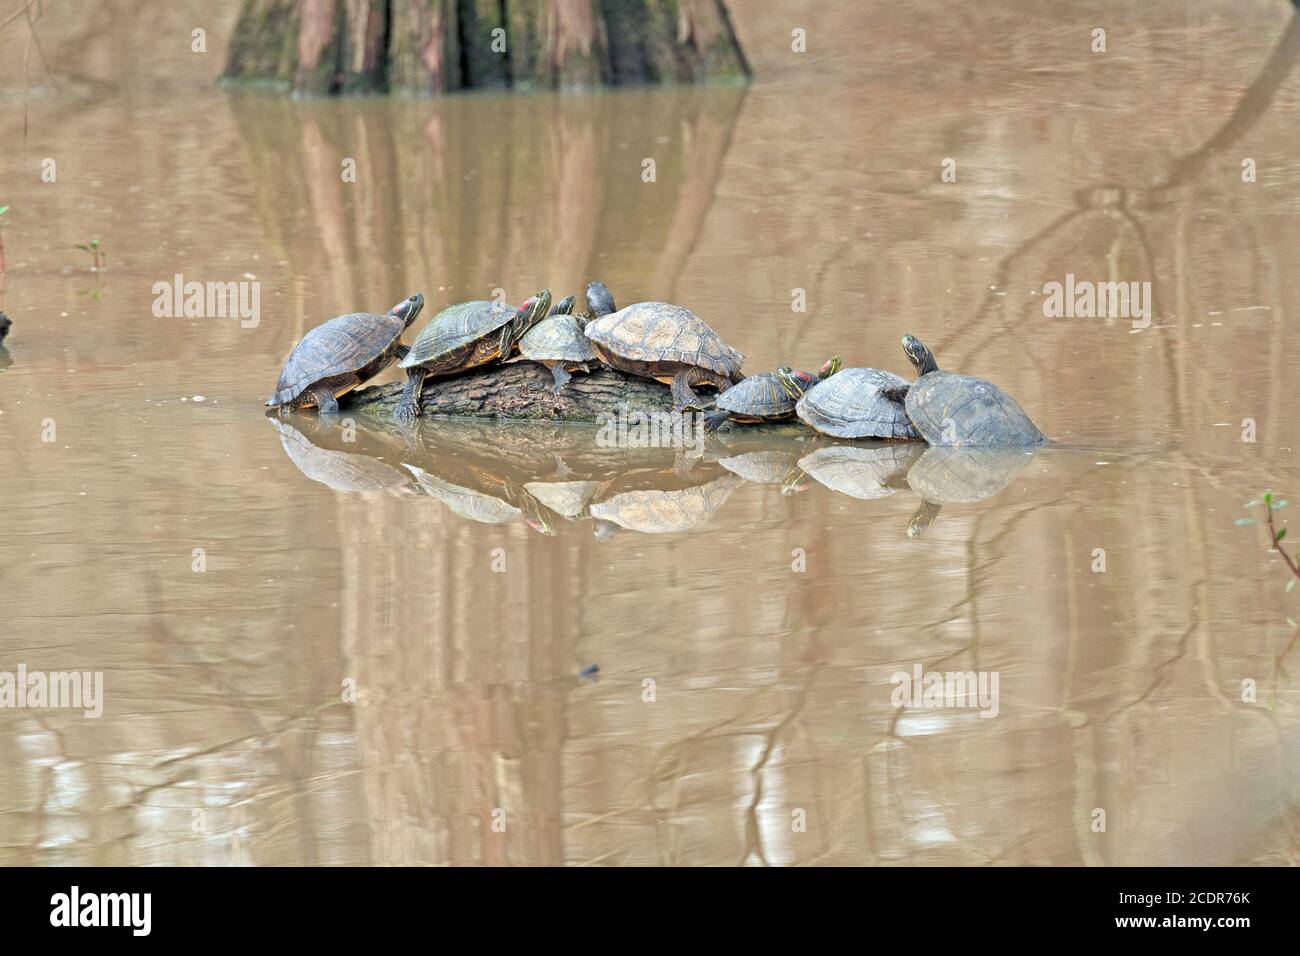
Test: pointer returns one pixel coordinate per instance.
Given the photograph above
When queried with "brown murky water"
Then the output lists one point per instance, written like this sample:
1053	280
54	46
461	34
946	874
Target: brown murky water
742	711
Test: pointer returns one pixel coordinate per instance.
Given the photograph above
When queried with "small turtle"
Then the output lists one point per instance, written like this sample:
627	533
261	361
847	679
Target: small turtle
667	343
558	343
951	409
338	355
464	336
766	397
856	403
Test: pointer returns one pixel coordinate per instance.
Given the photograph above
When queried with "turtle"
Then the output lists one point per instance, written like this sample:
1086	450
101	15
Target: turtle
856	403
558	343
668	343
951	409
464	336
338	355
766	397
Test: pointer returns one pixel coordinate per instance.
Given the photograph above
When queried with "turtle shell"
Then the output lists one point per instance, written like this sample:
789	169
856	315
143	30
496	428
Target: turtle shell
456	327
347	343
852	404
956	475
759	396
951	409
557	338
660	332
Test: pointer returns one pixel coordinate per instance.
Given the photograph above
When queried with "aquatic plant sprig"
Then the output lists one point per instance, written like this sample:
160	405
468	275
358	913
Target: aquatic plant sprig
100	258
1275	534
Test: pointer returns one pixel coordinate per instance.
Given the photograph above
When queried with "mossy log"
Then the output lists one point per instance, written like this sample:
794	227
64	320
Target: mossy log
523	390
317	47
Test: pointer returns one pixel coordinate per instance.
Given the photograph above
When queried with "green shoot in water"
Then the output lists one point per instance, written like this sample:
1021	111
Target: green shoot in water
100	257
1272	504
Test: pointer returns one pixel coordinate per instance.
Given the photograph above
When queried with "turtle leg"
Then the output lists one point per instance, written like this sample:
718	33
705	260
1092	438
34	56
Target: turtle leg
402	351
407	409
561	376
327	404
683	396
897	393
715	418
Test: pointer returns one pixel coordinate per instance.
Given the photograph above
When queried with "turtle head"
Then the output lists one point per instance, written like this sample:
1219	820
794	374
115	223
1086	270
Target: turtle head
794	382
408	309
564	306
532	311
830	368
922	358
599	301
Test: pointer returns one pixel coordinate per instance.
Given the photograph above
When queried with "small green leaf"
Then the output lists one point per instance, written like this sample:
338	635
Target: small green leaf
82	245
1291	622
3	210
1253	504
1244	521
1280	535
1280	503
1268	497
1290	585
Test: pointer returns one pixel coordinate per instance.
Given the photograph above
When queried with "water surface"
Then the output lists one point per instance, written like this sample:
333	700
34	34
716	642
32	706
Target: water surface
463	579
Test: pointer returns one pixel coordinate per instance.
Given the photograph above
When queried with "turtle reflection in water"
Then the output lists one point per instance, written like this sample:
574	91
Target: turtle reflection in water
961	476
664	512
765	468
568	499
862	471
340	470
466	502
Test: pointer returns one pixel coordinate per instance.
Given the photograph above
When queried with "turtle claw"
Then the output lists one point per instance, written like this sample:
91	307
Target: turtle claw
406	413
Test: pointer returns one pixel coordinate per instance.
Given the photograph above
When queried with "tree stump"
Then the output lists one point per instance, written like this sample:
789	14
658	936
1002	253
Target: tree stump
423	47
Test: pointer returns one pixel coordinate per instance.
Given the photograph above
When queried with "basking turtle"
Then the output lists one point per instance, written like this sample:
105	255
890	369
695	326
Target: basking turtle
558	343
338	355
464	336
668	343
766	397
951	409
856	403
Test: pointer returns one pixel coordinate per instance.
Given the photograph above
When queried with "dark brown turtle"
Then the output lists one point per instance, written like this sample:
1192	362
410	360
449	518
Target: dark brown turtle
465	336
668	343
766	397
338	355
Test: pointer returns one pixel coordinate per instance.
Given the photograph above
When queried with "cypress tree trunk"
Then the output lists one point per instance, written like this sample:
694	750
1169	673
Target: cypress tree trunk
318	47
